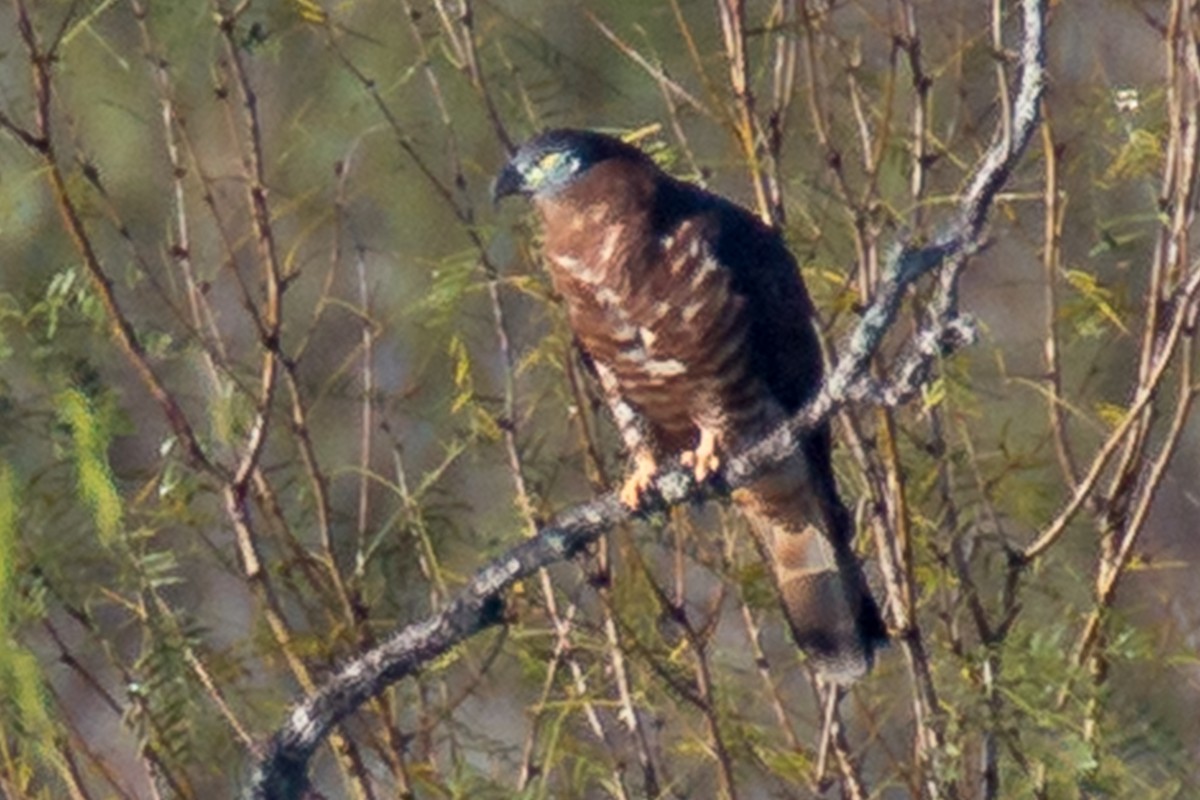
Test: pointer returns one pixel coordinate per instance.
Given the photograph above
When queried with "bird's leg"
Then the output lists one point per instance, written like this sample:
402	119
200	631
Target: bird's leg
645	467
632	428
703	460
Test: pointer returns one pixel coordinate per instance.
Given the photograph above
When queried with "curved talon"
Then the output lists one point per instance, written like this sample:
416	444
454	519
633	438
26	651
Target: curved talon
644	469
704	460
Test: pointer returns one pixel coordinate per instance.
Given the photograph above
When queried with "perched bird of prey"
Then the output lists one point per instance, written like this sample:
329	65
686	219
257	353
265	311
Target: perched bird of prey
700	330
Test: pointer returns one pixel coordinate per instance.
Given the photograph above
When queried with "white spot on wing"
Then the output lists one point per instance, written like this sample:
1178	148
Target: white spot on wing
569	263
607	296
665	367
576	268
708	267
647	336
609	245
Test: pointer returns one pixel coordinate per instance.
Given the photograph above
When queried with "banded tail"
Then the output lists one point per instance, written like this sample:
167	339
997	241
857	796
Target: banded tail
807	535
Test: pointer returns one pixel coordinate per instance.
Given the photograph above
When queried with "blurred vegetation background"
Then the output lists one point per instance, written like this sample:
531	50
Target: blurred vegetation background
325	381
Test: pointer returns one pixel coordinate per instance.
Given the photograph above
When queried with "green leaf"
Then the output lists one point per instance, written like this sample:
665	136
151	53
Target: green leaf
460	361
1141	155
8	546
90	439
1096	296
1110	414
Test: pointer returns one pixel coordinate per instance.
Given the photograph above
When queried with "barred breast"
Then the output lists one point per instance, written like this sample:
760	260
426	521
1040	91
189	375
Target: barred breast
668	324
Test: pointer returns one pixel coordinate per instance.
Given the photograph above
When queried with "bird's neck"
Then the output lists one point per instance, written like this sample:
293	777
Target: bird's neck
603	221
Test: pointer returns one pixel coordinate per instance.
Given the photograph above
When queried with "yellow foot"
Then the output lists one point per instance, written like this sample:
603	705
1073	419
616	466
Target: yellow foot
704	460
644	470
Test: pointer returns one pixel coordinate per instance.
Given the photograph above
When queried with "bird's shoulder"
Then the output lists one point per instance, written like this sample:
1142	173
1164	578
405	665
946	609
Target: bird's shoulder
783	346
733	236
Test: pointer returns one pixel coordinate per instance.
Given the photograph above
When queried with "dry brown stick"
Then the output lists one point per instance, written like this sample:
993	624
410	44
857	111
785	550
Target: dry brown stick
349	604
1159	337
501	325
629	714
1145	393
1176	199
122	328
181	249
864	245
1051	255
202	673
269	321
732	14
366	422
1114	567
763	666
271	315
853	787
74	744
150	756
1116	560
832	698
655	72
929	742
430	568
910	41
689	41
681	137
833	739
703	691
1168	337
633	721
785	64
985	669
929	734
256	191
1015	134
124	332
508	426
1137	479
466	18
40	141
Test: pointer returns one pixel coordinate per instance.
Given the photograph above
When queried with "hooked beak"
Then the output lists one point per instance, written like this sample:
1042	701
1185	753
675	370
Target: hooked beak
509	181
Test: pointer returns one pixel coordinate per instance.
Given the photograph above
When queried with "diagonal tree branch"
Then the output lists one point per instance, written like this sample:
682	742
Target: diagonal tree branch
281	772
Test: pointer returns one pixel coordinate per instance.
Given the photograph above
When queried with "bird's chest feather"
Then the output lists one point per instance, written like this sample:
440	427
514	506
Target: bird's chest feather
657	308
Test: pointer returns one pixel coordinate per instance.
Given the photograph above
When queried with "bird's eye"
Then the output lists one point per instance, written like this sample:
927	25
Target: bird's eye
550	162
552	169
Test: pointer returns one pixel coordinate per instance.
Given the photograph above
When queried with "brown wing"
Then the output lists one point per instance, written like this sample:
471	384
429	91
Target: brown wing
796	511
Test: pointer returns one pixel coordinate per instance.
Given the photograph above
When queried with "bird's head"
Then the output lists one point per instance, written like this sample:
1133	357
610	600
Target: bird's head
552	161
